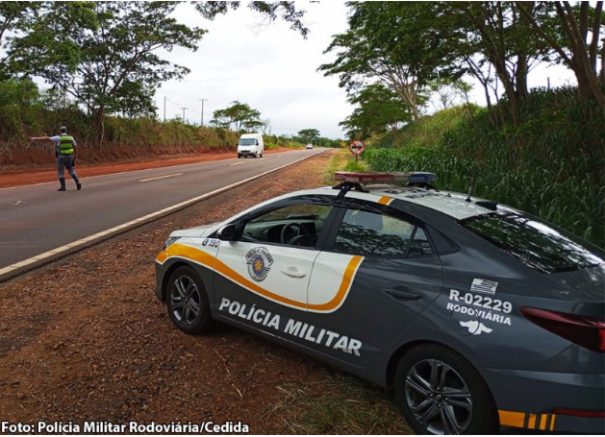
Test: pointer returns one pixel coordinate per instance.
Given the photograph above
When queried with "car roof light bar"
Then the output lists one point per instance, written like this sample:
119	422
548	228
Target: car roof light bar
374	178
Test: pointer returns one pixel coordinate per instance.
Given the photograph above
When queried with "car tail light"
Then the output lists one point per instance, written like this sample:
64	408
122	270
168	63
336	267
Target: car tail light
586	331
580	413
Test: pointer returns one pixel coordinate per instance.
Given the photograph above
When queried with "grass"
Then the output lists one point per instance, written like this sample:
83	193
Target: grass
337	163
343	160
552	165
338	404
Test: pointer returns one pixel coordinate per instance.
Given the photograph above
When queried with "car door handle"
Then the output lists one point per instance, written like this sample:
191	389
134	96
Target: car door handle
293	273
402	294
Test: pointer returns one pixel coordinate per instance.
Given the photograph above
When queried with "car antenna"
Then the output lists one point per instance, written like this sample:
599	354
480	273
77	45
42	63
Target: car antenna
468	199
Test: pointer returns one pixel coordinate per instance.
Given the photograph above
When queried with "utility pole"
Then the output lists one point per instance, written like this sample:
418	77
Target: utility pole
202	100
184	109
164	109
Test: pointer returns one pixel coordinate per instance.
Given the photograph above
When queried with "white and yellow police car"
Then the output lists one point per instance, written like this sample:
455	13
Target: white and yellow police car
477	315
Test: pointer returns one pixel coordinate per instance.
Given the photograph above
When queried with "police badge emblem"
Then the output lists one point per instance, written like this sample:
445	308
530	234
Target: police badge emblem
259	261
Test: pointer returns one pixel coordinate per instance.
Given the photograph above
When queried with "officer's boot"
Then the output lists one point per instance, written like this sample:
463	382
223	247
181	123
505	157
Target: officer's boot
78	184
62	181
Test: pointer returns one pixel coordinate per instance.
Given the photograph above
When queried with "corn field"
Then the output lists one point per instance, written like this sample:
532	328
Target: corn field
552	167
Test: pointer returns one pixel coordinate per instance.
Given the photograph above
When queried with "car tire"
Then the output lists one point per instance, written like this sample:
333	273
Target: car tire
187	301
239	156
465	407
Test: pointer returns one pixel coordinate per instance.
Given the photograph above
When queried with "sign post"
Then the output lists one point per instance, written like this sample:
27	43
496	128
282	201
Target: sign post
357	147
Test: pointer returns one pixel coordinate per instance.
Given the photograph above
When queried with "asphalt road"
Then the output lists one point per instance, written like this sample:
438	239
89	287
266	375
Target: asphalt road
35	219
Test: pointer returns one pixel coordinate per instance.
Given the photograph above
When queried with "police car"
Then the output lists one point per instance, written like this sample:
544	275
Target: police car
475	314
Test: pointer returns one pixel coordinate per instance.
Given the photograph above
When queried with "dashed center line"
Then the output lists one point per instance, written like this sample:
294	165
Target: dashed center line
161	177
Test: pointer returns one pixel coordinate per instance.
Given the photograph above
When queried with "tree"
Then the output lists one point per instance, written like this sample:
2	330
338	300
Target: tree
395	43
448	91
379	109
288	12
308	135
241	115
498	34
406	45
266	127
124	48
134	99
18	92
579	45
35	34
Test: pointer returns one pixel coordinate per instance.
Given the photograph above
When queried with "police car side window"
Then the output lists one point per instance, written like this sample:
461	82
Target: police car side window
373	234
420	245
295	225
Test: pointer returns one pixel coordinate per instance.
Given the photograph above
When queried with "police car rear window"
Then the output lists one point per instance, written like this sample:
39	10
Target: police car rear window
535	243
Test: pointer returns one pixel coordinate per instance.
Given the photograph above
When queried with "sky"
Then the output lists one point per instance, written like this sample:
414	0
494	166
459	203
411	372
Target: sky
274	70
270	67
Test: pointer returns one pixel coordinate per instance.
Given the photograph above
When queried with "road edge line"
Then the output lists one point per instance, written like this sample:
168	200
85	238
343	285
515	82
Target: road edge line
16	269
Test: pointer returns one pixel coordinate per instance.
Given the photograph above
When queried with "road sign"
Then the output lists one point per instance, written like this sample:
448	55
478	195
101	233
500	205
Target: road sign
343	144
357	147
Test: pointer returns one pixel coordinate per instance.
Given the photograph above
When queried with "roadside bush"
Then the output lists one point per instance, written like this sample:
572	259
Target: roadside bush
553	165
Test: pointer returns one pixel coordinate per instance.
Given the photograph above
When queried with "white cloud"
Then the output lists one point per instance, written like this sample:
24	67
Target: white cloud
270	67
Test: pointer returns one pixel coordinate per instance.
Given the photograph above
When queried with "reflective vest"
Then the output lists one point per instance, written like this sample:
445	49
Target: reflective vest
65	145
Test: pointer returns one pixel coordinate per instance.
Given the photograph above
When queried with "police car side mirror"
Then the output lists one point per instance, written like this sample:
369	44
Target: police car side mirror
231	232
226	233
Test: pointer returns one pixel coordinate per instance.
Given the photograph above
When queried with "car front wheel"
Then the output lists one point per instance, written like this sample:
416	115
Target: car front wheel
187	301
440	392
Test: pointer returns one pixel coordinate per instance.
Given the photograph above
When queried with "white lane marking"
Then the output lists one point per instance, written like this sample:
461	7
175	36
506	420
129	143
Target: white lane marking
82	241
239	163
161	177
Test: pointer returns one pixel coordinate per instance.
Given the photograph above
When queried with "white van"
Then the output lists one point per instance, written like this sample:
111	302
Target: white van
251	145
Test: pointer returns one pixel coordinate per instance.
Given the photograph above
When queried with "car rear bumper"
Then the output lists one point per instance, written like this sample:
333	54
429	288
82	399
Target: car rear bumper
529	400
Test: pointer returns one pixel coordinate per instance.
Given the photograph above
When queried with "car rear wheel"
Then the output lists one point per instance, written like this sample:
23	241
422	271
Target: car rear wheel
187	301
440	392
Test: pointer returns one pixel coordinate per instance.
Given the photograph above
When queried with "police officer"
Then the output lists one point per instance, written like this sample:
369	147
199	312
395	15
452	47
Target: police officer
66	151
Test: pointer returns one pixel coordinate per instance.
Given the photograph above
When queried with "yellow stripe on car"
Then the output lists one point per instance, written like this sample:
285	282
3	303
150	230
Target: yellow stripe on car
532	421
511	418
542	422
161	257
207	260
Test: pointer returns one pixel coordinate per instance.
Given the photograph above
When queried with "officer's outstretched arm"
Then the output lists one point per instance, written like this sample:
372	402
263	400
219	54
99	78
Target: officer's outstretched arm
39	139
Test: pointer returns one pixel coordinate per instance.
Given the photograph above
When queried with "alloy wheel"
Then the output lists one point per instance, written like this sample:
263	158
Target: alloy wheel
185	300
438	397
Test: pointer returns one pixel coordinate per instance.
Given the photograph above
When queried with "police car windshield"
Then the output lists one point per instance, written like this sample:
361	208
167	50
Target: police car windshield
247	142
535	243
